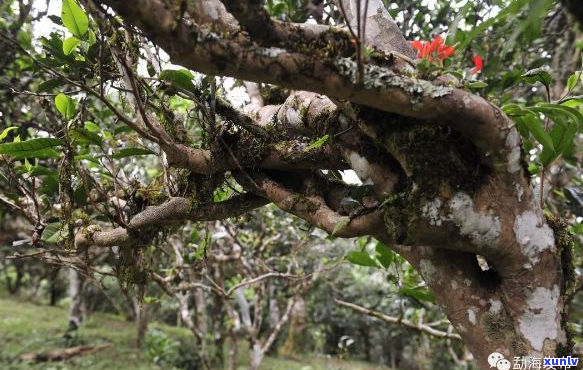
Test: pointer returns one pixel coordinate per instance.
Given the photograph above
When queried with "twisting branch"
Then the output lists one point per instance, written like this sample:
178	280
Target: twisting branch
174	210
382	88
397	320
314	209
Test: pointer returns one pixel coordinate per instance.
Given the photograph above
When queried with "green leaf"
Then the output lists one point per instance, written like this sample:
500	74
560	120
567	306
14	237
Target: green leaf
538	75
318	143
573	80
33	148
511	78
537	130
65	105
477	84
360	258
514	110
70	44
53	233
83	136
74	18
384	255
420	295
91	126
562	135
49	85
36	171
92	38
132	152
6	132
340	225
88	157
512	8
54	47
122	129
554	111
181	78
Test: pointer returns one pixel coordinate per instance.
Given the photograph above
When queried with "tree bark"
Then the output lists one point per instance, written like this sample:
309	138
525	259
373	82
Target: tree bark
141	320
445	164
295	343
76	306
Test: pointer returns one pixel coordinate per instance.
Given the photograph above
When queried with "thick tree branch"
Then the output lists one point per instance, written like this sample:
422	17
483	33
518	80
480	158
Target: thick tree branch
211	11
172	211
383	89
284	155
314	209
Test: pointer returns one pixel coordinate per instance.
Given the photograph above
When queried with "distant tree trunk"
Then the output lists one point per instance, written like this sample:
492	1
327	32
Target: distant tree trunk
257	355
273	307
141	311
54	291
364	333
233	349
130	307
200	307
77	309
14	288
295	342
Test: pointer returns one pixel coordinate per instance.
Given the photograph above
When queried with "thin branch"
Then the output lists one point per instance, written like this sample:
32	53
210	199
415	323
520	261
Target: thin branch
396	320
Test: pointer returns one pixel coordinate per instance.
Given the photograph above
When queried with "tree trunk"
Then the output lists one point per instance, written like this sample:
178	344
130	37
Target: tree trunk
200	308
257	354
141	320
295	343
233	349
54	290
14	287
77	302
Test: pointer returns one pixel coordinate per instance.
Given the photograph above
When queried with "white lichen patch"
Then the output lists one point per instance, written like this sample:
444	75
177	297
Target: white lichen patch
269	52
210	10
513	144
495	305
431	211
541	319
519	191
513	160
468	282
427	270
453	285
533	235
293	117
512	139
360	165
472	315
482	228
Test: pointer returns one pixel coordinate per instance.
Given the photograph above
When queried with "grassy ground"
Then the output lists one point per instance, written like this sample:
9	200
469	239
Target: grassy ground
27	327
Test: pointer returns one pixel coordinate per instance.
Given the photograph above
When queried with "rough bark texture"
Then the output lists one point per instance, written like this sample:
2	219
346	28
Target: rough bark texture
446	169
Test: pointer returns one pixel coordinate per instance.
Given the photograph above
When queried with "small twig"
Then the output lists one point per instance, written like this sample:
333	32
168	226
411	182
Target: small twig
398	320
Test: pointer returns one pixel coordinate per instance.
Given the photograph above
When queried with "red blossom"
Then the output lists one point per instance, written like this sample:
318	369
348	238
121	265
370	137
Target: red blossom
435	50
479	64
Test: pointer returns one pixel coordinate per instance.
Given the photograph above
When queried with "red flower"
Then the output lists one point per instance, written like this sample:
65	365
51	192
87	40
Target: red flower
434	50
479	64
